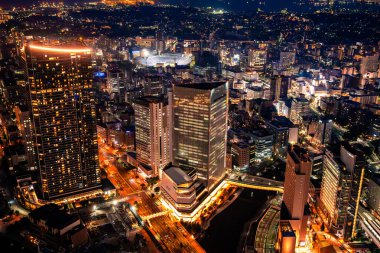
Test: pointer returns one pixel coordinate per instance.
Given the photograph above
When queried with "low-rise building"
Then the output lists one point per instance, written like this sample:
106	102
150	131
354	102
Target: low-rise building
64	228
240	155
286	238
262	144
180	188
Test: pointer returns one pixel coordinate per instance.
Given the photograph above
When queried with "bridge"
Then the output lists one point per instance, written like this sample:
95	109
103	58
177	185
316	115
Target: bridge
253	182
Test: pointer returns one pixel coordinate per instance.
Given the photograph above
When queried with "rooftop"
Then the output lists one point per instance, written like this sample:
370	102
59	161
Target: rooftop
150	99
202	86
286	229
59	48
178	175
53	215
298	153
281	122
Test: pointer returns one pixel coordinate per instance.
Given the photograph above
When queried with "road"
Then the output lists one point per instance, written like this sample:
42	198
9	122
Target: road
171	234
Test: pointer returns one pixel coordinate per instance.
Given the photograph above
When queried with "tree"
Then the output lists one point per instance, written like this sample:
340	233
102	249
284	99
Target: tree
152	181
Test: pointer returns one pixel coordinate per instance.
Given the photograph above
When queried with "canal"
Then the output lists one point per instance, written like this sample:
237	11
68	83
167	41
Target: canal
223	235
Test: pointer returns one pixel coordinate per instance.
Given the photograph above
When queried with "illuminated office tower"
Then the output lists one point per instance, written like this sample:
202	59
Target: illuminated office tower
342	184
153	132
335	192
62	111
296	190
353	158
200	129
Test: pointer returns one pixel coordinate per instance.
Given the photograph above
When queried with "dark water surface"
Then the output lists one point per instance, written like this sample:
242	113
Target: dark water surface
224	232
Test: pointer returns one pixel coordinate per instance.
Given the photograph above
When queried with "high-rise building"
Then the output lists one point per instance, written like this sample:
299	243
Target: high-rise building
335	192
342	185
284	132
296	190
323	131
300	107
153	85
200	129
279	87
353	158
62	111
153	122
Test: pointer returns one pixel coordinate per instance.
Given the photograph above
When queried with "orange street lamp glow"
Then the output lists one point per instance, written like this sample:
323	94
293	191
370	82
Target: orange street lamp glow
61	50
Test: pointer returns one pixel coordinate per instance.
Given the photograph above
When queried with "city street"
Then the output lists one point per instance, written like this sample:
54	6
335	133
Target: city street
170	233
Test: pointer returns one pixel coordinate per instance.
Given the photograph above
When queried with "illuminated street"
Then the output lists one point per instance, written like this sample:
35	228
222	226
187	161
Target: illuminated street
190	126
171	233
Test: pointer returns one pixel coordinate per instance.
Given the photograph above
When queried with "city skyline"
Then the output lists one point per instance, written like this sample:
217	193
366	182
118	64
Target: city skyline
190	126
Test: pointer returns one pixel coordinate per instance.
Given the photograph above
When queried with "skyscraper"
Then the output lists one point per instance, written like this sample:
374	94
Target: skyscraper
342	184
354	159
335	192
62	111
200	129
153	123
296	190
